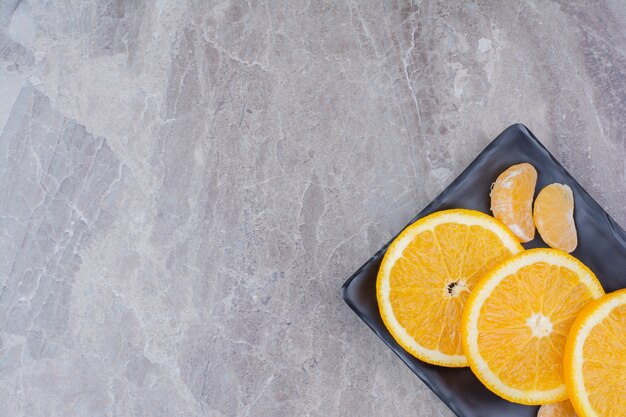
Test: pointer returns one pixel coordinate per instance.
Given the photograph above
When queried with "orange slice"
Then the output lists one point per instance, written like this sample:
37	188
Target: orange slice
516	321
512	200
554	217
595	358
560	409
427	274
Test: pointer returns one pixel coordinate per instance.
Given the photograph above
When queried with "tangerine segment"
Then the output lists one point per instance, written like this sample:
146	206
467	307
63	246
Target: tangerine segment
554	217
515	323
512	200
560	409
426	276
595	358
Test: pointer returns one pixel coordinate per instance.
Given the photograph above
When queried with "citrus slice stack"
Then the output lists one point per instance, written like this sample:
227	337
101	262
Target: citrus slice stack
595	358
560	409
512	200
516	321
427	274
554	217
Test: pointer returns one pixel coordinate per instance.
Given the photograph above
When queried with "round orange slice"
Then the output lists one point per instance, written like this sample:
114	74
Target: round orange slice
554	217
595	358
512	200
516	321
427	274
560	409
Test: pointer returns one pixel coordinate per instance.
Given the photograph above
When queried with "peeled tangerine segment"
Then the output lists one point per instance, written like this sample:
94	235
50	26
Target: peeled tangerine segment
560	409
516	322
512	200
427	274
554	217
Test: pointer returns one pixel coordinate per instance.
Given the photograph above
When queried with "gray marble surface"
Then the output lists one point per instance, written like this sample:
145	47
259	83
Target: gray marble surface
185	185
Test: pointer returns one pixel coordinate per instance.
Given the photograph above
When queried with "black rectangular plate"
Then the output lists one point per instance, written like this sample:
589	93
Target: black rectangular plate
601	246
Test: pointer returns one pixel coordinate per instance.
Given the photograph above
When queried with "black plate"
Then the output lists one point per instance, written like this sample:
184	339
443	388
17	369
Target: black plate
601	246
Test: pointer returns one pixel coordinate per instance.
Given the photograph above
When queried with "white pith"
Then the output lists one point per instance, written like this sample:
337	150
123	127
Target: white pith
540	325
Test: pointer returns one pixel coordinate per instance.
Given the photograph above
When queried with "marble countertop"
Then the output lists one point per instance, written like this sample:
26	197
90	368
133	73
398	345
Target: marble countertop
187	184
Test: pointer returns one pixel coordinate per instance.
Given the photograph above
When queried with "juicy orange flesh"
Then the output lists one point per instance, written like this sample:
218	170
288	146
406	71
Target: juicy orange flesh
560	409
604	366
512	198
431	282
554	217
518	356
